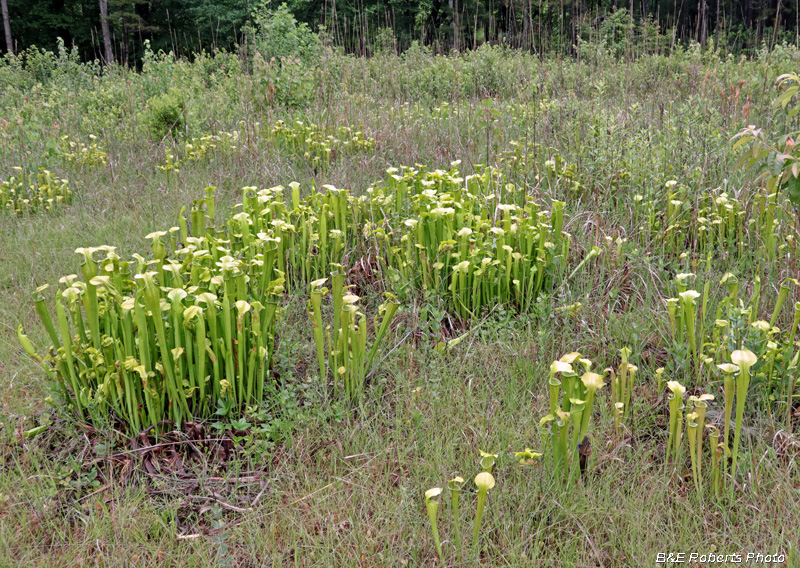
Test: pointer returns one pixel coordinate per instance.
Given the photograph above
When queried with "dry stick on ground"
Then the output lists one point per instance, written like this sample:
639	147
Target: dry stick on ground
95	492
160	445
246	479
217	498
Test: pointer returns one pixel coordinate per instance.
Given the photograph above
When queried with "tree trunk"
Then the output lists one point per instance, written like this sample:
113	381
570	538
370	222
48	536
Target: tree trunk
7	26
125	48
109	52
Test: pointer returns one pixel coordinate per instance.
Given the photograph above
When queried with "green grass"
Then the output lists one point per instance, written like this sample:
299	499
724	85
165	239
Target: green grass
343	486
340	490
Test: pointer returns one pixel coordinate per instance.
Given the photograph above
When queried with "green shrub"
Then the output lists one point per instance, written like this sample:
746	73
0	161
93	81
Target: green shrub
277	34
165	115
288	82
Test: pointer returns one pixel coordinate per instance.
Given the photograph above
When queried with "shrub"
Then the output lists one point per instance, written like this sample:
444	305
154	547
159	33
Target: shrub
165	115
277	34
288	82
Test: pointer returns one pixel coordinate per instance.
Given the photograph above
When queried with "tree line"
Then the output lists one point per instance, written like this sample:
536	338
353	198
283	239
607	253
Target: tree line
115	30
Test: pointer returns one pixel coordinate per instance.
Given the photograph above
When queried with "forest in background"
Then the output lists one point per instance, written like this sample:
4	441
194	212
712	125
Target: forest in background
118	29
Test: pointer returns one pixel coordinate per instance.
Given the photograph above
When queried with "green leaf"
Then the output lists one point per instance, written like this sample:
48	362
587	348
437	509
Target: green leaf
784	99
240	424
742	140
793	189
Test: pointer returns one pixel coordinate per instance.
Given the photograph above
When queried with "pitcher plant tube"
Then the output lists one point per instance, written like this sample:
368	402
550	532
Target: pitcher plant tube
744	359
484	482
432	505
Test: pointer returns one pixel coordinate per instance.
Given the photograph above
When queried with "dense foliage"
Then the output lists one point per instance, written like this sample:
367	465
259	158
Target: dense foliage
379	25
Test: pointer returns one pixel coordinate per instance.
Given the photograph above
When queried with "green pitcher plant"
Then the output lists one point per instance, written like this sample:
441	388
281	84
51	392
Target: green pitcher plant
432	505
691	433
487	461
717	451
675	421
571	403
744	359
622	383
699	405
152	347
348	359
484	481
455	485
688	299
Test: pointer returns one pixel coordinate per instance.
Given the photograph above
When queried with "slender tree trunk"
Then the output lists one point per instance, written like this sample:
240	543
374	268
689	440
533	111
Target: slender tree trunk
7	26
530	25
109	52
748	14
704	29
539	14
125	47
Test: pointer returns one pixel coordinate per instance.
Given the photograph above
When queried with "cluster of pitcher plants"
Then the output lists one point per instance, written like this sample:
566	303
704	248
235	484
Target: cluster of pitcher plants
715	221
25	192
348	358
82	155
572	389
190	331
199	149
687	419
187	333
708	327
721	346
484	482
476	240
317	147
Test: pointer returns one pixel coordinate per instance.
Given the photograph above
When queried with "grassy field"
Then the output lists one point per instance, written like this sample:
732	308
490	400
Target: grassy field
640	153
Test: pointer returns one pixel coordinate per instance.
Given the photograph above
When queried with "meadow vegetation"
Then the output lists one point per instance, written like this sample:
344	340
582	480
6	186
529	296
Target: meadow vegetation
485	308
